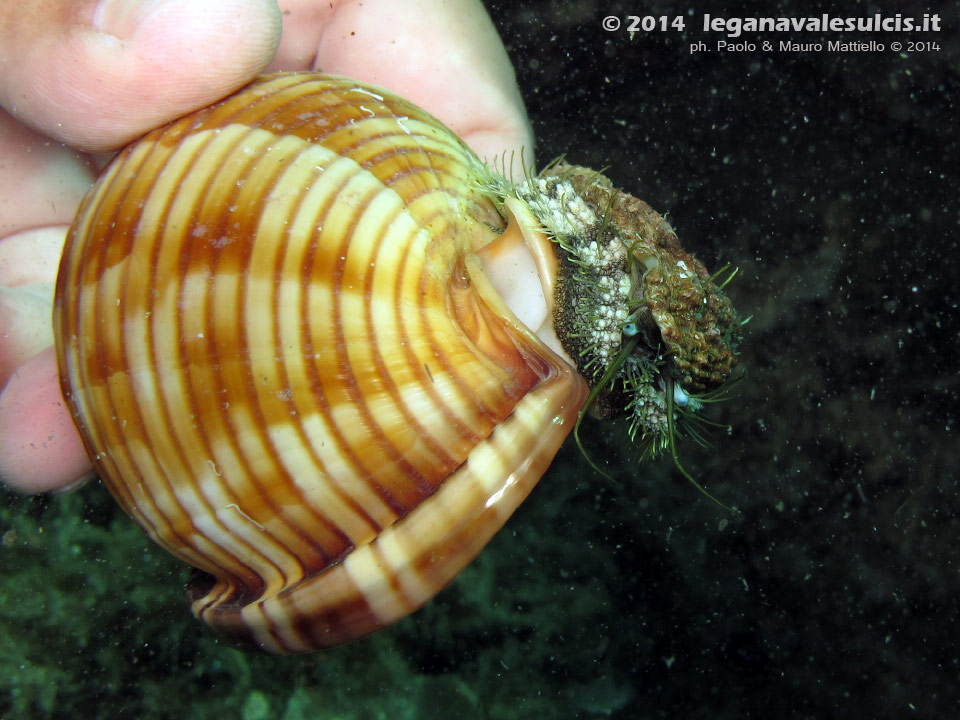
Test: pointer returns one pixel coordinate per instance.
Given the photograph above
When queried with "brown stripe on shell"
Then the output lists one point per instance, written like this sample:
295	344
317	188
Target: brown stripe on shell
227	525
286	366
305	533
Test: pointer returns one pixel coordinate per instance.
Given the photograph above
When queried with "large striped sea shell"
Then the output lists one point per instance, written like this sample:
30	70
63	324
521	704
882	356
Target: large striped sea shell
288	366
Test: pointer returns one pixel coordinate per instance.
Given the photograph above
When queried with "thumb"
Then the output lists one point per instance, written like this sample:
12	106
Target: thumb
98	74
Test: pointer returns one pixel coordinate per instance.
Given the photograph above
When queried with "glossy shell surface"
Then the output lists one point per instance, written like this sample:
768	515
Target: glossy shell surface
287	365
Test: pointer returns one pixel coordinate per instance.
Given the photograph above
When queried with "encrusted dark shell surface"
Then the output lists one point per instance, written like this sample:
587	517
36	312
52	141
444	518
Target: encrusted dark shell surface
694	319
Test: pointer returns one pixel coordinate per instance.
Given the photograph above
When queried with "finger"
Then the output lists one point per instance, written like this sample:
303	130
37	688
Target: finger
98	74
28	271
32	256
25	326
41	181
40	448
445	56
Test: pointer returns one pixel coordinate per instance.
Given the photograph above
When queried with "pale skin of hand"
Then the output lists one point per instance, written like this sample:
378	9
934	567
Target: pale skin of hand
80	79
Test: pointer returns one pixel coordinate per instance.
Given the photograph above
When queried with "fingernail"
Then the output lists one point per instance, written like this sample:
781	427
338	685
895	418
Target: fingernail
121	18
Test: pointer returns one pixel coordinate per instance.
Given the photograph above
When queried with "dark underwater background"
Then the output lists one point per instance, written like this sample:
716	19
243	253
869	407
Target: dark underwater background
831	180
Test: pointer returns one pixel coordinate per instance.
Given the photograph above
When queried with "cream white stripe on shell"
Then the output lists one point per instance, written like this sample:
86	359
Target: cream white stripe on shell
171	422
482	494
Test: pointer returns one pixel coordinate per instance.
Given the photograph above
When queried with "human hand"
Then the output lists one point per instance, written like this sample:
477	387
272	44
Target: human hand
87	77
